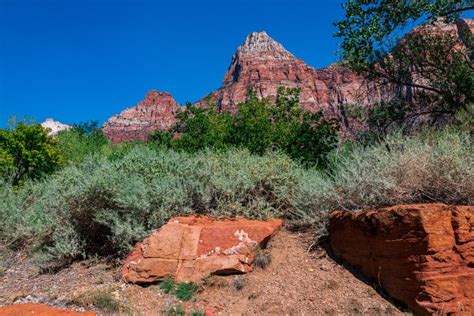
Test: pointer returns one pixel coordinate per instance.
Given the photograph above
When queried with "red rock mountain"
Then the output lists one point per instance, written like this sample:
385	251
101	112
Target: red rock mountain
263	65
157	111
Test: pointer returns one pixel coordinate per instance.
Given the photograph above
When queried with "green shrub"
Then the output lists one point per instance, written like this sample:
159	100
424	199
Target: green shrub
432	167
103	299
27	152
80	141
104	205
176	310
167	286
186	290
258	126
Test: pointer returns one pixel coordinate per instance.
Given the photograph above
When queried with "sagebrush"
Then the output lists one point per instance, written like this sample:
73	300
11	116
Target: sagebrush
105	204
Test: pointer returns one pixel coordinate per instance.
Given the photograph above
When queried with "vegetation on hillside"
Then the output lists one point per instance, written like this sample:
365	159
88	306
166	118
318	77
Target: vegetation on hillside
76	195
106	203
258	126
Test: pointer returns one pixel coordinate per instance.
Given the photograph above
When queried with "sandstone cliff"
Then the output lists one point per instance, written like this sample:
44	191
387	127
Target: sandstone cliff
263	65
157	111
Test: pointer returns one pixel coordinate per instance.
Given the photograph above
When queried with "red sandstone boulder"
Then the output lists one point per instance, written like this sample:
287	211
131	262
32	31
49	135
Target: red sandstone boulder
192	248
422	255
39	310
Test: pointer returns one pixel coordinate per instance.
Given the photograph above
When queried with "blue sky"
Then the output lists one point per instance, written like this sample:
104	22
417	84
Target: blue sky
77	60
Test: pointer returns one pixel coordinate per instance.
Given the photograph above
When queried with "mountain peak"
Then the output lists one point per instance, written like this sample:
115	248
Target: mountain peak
54	126
260	43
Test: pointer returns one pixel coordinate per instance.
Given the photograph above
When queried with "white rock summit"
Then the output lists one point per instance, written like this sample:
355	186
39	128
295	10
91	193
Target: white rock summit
54	126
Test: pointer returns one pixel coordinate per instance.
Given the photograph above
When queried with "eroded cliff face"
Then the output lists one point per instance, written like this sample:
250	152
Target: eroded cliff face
263	65
157	111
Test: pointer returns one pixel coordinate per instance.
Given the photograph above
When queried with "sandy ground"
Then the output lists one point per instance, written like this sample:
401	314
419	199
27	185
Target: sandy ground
296	282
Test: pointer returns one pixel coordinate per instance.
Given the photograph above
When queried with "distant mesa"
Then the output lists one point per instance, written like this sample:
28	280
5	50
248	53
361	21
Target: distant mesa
263	65
54	126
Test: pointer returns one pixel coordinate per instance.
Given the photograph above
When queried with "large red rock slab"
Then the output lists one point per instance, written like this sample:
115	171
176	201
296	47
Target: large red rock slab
194	247
39	310
422	255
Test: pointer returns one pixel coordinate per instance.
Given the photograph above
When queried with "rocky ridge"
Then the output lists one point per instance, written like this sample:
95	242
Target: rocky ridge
156	111
263	65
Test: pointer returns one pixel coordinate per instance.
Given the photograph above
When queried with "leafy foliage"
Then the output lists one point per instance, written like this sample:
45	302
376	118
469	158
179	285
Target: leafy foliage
103	205
80	141
167	286
429	70
183	290
258	126
370	26
186	290
27	152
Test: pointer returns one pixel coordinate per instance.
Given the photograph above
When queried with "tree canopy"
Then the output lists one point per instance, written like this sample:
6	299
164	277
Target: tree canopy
432	72
27	152
259	125
370	27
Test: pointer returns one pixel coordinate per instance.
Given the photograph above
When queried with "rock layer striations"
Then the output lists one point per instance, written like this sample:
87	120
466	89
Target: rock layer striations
157	111
192	248
263	65
421	255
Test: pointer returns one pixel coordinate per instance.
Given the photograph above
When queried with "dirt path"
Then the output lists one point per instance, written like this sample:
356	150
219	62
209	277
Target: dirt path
294	283
298	282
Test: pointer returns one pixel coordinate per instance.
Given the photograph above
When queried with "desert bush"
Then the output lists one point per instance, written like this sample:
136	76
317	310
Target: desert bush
104	205
431	167
167	286
262	259
175	310
182	290
80	141
238	282
102	298
186	290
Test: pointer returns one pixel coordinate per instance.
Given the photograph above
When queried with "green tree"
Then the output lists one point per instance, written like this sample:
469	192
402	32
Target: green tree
258	126
284	126
430	70
370	27
252	127
81	140
197	128
27	152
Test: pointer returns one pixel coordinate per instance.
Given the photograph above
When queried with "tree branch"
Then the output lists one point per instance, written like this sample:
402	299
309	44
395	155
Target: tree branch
458	10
